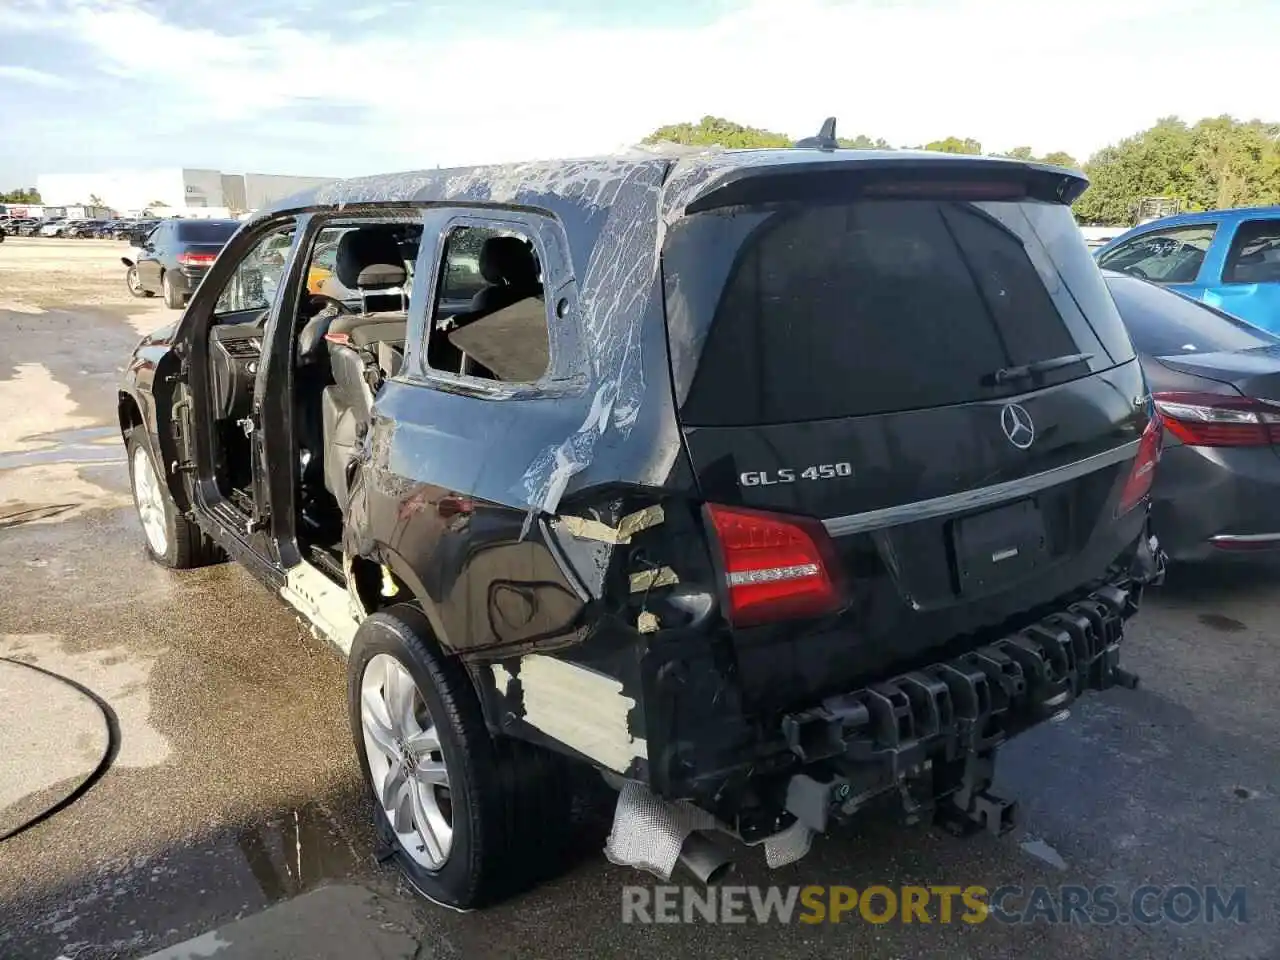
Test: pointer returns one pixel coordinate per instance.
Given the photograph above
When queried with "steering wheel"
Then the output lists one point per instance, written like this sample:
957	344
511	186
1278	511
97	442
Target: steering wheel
311	337
317	303
1139	273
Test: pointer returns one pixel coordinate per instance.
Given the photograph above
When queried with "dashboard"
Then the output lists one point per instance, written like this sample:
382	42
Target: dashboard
235	351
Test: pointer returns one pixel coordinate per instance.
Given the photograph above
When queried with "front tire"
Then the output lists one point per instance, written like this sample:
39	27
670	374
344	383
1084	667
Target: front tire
172	298
495	810
172	540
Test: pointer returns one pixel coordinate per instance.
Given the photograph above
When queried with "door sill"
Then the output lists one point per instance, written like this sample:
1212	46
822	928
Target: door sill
326	606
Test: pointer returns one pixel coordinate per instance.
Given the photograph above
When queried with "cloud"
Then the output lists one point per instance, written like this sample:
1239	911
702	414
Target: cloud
35	78
434	83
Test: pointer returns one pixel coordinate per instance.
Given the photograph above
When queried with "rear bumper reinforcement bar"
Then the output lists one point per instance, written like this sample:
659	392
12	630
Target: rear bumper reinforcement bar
944	721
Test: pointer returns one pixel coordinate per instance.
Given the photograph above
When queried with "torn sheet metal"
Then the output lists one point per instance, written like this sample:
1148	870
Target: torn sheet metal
581	708
615	288
627	527
653	579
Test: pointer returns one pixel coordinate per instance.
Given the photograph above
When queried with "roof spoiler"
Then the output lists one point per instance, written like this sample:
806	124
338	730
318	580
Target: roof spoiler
851	175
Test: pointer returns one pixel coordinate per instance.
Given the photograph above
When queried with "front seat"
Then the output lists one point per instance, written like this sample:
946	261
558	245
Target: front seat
369	261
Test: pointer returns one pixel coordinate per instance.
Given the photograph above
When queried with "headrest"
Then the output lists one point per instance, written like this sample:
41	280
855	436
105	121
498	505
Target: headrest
509	261
369	258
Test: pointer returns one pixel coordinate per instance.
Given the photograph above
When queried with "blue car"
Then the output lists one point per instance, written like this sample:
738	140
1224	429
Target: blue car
1230	259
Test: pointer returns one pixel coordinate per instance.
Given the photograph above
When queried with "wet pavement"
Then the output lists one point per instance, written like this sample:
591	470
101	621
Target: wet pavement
232	811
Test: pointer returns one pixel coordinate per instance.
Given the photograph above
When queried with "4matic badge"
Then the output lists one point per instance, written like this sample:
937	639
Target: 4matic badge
819	471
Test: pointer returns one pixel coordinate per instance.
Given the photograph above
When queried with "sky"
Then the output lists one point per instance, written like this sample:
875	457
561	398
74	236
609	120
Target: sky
320	88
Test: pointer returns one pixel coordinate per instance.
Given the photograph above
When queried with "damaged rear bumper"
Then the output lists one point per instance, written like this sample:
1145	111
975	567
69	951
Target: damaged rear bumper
931	733
925	739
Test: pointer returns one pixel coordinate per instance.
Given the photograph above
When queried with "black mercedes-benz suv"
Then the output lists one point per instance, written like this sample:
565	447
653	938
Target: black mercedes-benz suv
770	484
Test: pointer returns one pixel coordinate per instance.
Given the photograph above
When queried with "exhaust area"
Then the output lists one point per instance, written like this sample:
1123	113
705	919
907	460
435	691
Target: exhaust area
653	834
705	858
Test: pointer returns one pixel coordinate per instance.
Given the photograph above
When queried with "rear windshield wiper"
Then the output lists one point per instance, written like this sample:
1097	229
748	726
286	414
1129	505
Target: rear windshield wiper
1027	370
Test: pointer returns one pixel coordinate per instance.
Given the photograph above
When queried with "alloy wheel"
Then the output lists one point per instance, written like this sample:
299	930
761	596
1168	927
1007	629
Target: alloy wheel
150	500
406	766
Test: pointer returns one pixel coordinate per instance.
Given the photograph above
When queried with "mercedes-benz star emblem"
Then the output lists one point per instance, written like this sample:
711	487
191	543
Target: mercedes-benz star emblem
1018	426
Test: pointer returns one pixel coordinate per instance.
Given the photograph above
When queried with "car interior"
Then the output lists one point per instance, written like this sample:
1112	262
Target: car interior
488	322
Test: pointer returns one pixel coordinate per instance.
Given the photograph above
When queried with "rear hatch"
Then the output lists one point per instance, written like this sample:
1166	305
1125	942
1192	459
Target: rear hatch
930	379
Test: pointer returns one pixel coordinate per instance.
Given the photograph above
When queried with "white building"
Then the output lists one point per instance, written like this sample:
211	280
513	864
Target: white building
264	189
185	191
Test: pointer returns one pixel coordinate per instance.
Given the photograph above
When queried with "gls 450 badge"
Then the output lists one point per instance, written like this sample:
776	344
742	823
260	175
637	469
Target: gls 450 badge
820	471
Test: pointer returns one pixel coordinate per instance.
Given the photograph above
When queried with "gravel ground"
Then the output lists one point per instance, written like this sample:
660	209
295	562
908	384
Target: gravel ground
234	787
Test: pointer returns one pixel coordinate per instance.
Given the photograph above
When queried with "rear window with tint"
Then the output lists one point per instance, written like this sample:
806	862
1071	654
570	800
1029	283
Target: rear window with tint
1163	323
1255	253
798	313
196	231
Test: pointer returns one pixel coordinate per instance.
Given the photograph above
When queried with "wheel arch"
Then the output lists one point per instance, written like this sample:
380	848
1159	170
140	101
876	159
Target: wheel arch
129	412
365	578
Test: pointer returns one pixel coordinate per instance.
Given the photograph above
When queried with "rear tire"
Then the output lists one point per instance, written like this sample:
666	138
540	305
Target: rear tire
172	298
509	801
172	540
134	283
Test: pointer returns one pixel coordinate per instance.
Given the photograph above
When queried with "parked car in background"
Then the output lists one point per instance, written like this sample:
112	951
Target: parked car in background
1230	259
84	229
1215	380
124	229
174	257
24	226
138	230
52	227
1097	237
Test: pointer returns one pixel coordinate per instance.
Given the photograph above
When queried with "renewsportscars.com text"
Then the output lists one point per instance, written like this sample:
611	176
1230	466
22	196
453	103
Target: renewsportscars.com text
878	904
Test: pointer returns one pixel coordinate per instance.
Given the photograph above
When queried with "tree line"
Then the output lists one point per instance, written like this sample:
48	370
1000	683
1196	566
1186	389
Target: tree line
24	195
1218	162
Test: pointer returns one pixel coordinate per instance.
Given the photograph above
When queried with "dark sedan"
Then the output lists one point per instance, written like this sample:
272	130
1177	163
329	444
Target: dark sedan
174	257
1216	383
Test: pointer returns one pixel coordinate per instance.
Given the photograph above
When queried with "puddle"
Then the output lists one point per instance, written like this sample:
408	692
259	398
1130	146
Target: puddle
297	852
129	903
83	445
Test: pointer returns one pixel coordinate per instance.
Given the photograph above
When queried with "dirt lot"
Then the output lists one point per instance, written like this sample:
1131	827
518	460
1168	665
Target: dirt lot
45	272
233	787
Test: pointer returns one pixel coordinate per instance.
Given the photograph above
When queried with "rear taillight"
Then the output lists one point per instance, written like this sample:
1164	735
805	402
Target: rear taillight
1213	420
197	259
1138	485
776	567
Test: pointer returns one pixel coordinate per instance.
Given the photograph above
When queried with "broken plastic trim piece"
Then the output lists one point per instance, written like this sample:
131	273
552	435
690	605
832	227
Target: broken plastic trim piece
627	527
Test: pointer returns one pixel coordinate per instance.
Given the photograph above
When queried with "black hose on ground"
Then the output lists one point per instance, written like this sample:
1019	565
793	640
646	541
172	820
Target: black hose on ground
104	764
